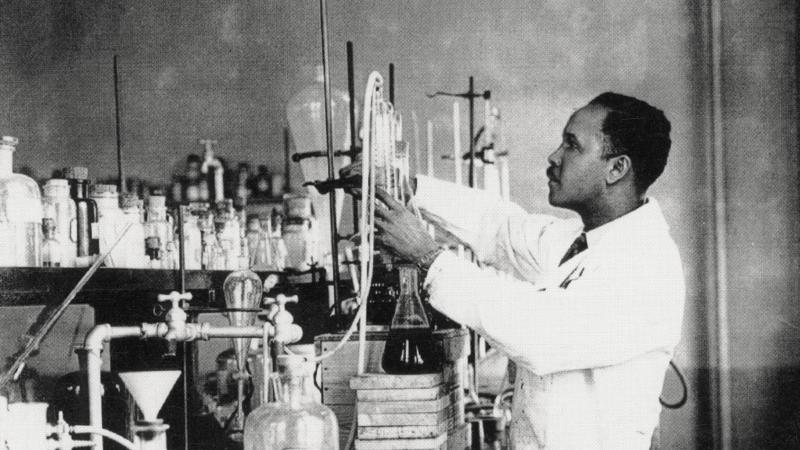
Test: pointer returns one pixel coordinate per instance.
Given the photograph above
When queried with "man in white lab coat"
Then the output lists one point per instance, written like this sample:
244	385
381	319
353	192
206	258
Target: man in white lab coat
593	313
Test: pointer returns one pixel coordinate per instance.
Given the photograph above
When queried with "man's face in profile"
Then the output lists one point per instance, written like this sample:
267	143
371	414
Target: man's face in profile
577	171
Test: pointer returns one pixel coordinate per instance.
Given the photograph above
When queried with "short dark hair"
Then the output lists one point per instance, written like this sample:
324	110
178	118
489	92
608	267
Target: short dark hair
637	129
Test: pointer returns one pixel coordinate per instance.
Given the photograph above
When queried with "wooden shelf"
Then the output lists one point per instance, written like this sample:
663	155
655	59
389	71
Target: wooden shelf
41	286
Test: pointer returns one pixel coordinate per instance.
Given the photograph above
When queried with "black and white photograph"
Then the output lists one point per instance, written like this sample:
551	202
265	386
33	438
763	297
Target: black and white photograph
399	225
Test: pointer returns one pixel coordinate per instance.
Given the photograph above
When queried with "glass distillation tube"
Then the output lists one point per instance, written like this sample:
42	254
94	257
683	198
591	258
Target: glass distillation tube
410	348
294	420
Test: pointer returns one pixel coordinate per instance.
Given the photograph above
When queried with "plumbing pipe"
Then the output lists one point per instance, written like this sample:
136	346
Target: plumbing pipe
94	346
102	432
103	333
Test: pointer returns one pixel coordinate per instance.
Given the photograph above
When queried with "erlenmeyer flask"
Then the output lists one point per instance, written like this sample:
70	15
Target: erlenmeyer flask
409	346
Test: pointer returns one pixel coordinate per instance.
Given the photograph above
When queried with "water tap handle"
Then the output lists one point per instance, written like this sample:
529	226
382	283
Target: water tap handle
282	300
176	312
286	331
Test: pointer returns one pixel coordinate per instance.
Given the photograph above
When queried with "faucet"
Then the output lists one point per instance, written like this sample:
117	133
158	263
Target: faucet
212	162
176	316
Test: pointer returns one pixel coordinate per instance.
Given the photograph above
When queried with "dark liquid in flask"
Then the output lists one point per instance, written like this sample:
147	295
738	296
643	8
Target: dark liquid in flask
410	352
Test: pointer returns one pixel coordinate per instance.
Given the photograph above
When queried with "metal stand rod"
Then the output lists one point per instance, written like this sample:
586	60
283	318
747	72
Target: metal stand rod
286	169
351	92
391	85
184	346
471	99
120	173
323	19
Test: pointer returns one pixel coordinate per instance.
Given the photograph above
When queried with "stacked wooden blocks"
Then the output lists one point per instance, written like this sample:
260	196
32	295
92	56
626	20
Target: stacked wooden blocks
409	412
337	371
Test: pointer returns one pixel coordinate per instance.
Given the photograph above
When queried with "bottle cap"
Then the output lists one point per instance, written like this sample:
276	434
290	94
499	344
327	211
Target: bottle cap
76	173
101	190
156	201
130	201
152	242
10	141
48	225
56	182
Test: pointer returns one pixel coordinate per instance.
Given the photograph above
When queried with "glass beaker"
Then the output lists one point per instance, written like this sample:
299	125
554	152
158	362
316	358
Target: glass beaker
294	420
410	348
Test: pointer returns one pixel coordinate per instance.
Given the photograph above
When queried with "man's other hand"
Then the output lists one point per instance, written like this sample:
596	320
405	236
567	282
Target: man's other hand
400	230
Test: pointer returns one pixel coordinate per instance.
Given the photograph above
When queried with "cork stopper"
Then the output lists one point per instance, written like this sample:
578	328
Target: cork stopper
156	201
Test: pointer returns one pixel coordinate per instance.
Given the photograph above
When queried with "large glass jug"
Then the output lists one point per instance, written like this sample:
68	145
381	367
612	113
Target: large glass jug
20	212
409	346
294	420
306	115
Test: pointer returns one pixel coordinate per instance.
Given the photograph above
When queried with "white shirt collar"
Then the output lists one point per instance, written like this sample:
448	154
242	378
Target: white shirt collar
649	213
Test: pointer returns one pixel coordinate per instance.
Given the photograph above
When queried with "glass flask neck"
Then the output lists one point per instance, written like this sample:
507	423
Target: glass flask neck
409	283
79	188
6	160
157	214
295	395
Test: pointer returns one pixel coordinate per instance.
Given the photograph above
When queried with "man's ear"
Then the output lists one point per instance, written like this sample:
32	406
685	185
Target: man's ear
619	166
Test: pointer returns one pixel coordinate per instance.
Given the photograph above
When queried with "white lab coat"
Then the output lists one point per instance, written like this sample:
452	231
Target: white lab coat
592	338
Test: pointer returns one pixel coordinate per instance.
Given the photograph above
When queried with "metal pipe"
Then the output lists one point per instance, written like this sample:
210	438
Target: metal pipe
323	19
99	335
184	347
718	300
103	333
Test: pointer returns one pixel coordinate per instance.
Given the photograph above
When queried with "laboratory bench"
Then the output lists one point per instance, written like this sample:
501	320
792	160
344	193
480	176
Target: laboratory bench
121	296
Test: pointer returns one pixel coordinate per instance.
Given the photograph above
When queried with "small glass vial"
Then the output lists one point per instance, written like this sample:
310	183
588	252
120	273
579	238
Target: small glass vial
192	241
51	248
229	234
110	222
294	420
133	242
86	228
253	237
57	205
158	227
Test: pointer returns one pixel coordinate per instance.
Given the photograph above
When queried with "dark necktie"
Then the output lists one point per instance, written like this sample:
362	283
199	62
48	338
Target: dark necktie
578	245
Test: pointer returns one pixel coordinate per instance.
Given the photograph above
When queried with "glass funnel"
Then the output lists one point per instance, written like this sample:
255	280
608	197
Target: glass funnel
409	346
294	420
243	292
